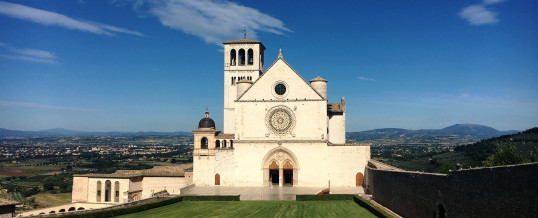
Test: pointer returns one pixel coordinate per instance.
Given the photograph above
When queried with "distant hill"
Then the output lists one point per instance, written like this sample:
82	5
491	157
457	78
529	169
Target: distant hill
460	130
59	132
471	155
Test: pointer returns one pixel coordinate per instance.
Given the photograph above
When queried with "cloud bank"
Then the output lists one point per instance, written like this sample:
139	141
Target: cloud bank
26	54
478	14
213	21
54	19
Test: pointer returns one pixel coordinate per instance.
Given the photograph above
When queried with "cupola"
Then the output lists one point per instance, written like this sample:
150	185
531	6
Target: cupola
206	122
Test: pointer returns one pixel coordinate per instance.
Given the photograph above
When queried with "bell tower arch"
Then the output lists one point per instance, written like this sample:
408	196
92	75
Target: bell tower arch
243	59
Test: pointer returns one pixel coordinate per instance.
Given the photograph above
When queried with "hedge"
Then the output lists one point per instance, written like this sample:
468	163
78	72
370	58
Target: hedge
211	198
125	210
379	212
335	197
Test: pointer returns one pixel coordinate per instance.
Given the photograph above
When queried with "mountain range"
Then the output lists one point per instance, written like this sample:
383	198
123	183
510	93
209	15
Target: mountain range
460	130
465	130
59	132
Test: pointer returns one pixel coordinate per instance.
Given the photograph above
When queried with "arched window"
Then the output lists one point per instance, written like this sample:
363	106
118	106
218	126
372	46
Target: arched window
108	187
217	144
217	179
231	143
232	57
98	194
223	143
204	143
250	59
117	191
241	57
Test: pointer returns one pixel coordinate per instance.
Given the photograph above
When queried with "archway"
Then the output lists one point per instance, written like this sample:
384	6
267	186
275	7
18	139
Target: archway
80	208
287	170
71	209
274	173
273	168
359	179
61	211
217	179
108	187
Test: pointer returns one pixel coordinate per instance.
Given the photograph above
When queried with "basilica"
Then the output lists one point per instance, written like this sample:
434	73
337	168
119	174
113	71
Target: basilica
279	129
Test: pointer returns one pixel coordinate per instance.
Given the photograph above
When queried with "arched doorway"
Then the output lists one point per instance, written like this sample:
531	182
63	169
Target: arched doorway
217	179
287	170
274	173
359	179
280	167
108	187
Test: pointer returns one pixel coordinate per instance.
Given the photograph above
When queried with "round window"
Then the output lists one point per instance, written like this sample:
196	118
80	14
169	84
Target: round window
280	89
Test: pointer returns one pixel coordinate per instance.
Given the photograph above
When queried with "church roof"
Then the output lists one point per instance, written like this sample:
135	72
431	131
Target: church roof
280	57
156	171
244	41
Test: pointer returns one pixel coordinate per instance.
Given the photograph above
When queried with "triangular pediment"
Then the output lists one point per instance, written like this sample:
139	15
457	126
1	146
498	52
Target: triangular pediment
280	72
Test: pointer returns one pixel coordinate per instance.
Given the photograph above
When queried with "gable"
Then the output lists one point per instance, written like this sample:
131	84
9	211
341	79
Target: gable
280	73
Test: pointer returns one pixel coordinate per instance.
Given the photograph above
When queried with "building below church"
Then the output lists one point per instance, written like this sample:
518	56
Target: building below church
278	129
125	186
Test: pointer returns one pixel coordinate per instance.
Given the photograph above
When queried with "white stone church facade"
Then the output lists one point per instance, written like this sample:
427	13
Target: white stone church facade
278	129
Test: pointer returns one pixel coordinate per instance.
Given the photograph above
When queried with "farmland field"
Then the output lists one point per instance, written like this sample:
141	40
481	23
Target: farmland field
257	209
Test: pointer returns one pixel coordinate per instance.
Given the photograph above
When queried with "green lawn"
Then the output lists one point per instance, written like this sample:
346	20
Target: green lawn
240	209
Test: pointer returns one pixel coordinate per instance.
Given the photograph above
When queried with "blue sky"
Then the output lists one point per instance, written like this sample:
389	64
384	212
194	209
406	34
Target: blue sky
142	65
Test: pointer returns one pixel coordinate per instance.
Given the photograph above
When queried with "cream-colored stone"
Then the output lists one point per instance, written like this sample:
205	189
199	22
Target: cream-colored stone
293	135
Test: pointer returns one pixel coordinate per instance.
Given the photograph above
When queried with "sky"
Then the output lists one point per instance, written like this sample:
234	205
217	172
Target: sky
144	65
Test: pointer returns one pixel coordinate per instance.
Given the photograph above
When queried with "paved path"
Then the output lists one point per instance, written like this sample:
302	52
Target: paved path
265	193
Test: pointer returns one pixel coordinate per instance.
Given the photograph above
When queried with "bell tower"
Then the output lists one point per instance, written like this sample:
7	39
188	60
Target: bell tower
243	59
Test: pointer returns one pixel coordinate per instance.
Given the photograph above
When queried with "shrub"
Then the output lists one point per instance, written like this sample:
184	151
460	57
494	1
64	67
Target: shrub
370	207
330	197
211	198
125	210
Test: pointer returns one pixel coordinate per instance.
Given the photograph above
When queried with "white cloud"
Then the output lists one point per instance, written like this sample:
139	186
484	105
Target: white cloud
26	54
55	19
366	78
478	15
213	21
34	105
490	2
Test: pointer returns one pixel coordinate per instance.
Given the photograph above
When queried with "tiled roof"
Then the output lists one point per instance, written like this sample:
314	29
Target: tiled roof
318	79
335	107
225	136
6	202
156	171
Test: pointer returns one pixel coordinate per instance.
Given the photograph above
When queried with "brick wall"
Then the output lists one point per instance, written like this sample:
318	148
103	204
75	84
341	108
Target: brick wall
509	191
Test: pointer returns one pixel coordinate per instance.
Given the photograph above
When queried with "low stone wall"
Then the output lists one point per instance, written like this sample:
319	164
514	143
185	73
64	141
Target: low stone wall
66	208
508	191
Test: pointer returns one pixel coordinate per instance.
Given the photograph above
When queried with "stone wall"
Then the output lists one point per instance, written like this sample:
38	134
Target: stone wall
508	191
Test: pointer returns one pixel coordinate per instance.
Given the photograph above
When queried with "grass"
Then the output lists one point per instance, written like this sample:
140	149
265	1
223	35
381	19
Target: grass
257	209
49	200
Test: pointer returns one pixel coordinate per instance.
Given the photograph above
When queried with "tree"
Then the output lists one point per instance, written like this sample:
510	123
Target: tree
505	155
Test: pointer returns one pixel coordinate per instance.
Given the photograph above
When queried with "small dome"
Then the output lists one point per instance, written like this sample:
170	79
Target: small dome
206	122
318	79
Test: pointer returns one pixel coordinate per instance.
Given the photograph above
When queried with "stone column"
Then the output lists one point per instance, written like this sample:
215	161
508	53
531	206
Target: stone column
280	177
